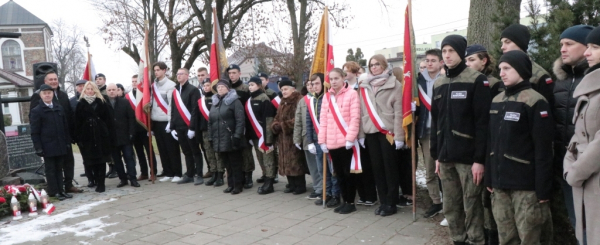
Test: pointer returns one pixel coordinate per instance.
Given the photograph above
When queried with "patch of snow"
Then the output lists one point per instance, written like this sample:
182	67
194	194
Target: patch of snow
51	225
421	181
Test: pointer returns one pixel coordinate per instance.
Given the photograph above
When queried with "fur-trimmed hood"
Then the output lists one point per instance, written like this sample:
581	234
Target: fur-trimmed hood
228	99
562	71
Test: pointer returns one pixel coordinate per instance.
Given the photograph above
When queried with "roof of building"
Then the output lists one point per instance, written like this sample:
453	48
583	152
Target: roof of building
12	14
16	79
260	49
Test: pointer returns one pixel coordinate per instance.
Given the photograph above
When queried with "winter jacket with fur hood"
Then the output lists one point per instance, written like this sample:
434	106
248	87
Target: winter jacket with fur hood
226	122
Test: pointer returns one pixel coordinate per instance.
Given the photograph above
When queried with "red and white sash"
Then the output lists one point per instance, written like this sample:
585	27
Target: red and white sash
311	112
183	111
129	96
203	108
256	126
276	102
373	113
162	104
424	98
355	164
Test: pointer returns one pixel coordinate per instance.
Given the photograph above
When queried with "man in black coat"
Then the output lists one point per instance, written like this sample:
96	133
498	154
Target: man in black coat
124	128
60	97
51	140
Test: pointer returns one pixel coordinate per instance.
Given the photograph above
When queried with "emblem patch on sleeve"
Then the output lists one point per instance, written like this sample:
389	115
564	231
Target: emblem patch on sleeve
544	114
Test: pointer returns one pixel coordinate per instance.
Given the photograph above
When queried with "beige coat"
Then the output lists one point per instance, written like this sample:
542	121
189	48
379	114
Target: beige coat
582	161
388	104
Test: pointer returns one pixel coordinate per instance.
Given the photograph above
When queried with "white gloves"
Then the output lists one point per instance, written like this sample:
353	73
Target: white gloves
349	145
399	144
168	128
324	148
174	134
362	142
298	146
148	134
191	134
413	106
312	149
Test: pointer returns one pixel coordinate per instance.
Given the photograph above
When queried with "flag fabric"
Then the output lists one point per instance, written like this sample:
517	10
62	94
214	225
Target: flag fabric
409	92
323	59
218	57
143	94
90	71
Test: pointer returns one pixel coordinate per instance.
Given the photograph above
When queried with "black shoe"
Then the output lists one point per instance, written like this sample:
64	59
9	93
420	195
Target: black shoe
212	180
291	186
60	198
122	183
319	201
65	195
91	184
267	187
236	191
110	170
388	210
403	202
100	189
433	210
248	183
378	209
112	175
198	180
261	179
300	190
300	183
162	174
82	175
219	181
348	208
134	183
334	202
185	179
228	190
337	210
314	196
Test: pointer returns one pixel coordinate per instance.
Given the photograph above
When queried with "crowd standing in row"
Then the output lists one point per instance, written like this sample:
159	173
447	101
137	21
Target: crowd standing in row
492	147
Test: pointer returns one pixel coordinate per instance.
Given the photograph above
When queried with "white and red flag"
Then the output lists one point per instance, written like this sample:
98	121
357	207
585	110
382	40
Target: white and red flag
218	57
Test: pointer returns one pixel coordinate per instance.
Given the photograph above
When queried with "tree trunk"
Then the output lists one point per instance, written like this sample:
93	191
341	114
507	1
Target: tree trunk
481	26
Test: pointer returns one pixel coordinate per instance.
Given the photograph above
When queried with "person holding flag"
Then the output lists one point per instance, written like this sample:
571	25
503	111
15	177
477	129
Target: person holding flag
140	137
340	117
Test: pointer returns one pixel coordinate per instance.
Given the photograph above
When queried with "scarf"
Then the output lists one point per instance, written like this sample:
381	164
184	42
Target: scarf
89	99
378	81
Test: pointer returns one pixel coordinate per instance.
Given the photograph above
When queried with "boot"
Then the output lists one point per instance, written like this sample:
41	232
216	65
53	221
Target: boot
290	187
236	190
219	181
212	179
300	185
261	179
493	237
276	180
267	187
248	180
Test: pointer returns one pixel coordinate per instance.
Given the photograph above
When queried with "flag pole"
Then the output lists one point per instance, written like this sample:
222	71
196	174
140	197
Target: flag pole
89	66
413	141
324	179
150	146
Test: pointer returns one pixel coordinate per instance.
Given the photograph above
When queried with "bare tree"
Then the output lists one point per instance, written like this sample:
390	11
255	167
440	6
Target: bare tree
68	54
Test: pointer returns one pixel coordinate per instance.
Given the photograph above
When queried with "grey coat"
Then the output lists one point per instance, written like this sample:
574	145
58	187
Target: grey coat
226	122
300	125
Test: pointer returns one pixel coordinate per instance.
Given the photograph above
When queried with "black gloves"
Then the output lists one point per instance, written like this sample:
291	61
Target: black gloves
39	152
236	143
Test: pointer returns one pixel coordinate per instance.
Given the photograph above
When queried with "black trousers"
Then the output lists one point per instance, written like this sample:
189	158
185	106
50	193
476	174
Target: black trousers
233	164
140	142
96	172
124	152
341	159
168	148
366	185
191	152
404	162
54	173
69	168
385	167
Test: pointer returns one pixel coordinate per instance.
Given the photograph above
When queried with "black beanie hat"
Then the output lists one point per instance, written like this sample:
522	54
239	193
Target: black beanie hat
577	33
518	34
593	37
458	43
256	80
285	81
519	61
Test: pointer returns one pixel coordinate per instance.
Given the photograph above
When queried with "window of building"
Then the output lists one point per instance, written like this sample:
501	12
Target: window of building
12	56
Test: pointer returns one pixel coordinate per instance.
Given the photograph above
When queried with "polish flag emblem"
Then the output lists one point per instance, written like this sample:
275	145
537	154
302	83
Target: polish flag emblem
486	83
548	80
544	114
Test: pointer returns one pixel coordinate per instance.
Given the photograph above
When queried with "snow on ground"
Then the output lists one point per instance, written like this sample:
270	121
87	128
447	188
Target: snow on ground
421	178
51	225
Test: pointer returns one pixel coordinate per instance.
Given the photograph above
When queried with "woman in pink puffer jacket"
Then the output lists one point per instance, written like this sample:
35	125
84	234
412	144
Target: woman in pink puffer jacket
337	143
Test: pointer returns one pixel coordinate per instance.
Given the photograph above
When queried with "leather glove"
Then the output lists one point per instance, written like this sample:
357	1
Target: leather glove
236	143
298	146
324	148
174	134
312	149
39	152
191	134
276	128
399	144
168	128
349	145
413	106
362	142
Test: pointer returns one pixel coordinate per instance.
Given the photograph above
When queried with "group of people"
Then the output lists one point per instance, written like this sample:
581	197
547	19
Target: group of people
491	146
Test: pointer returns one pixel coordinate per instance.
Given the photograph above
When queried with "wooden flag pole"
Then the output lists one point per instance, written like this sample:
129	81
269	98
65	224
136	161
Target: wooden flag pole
325	179
151	147
413	141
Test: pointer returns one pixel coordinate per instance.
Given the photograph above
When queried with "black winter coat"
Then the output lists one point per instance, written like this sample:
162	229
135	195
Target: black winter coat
123	121
92	131
190	96
49	130
226	123
564	103
264	111
199	122
73	102
60	97
520	142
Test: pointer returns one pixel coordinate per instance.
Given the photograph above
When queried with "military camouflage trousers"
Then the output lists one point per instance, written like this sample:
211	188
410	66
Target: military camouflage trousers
519	216
463	206
215	164
266	160
248	158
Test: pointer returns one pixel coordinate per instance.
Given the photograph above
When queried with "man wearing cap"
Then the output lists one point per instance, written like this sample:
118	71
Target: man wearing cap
459	121
101	83
51	139
185	98
60	97
264	79
569	70
244	94
519	167
78	88
517	37
140	137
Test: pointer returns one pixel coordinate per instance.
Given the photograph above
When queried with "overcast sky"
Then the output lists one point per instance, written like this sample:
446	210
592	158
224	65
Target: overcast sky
372	28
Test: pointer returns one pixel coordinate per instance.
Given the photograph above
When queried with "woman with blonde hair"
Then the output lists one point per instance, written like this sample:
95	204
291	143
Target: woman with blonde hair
94	134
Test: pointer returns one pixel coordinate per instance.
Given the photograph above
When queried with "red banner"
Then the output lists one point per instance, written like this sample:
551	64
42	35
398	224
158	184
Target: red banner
408	91
218	57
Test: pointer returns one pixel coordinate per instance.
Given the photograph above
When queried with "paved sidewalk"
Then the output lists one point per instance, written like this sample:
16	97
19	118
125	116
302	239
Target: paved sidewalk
167	213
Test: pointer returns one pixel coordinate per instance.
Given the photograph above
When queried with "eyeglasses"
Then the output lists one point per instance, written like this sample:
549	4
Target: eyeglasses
374	64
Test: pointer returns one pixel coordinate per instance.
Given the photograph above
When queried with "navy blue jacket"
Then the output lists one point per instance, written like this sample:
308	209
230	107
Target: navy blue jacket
49	129
422	111
311	133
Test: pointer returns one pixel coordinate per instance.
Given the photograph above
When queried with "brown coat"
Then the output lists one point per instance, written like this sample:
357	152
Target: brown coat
291	159
581	164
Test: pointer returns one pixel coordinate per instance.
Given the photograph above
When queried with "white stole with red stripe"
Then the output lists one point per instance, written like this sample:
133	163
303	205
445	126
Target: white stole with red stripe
203	108
258	130
131	98
311	112
425	98
183	111
355	164
276	102
162	104
373	113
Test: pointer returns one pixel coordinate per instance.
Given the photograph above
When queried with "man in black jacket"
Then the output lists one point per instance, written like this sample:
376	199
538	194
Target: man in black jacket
569	69
60	97
459	121
185	99
51	140
124	124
